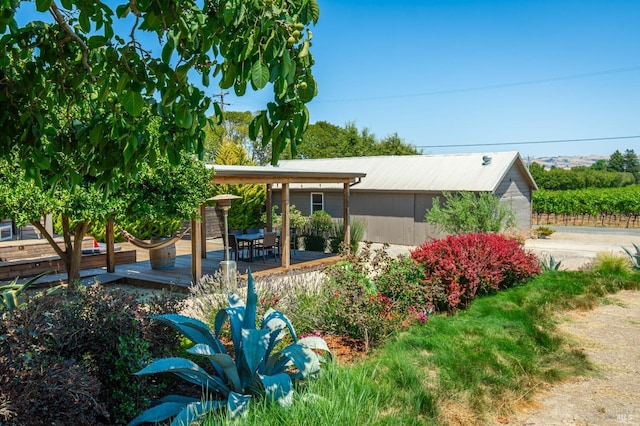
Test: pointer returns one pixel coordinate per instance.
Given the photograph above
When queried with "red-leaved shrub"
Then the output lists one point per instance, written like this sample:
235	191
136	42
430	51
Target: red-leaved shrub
460	267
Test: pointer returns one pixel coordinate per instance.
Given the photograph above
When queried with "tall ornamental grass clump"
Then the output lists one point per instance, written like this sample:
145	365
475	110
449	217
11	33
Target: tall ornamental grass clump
460	267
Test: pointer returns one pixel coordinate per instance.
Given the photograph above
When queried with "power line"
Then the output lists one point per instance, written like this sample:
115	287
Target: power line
528	142
488	87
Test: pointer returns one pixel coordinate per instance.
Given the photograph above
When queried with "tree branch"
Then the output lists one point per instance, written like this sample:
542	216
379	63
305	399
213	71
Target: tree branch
48	237
57	15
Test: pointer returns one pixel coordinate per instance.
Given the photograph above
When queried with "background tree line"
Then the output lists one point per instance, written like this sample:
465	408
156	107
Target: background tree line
618	171
320	140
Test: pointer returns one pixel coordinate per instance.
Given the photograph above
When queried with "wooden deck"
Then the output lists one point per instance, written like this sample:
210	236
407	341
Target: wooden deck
141	274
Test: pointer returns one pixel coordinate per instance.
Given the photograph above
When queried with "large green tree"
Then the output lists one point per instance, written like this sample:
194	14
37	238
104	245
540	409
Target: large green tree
90	91
77	98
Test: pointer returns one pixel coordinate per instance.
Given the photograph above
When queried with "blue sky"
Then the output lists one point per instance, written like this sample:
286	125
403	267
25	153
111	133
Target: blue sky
455	72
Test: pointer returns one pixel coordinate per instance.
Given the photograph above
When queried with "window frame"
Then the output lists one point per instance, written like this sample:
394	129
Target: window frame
312	203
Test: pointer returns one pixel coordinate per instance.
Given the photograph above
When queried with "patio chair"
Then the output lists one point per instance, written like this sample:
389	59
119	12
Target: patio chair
269	244
236	247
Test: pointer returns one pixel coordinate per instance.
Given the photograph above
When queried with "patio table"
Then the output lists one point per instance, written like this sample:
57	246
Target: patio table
251	239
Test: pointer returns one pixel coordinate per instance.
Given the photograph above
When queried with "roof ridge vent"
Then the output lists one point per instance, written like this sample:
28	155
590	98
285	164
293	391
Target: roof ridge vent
486	160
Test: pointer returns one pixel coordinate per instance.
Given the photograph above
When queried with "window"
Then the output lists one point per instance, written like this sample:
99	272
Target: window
317	201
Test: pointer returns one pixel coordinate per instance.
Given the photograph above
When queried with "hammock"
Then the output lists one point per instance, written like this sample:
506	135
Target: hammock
152	246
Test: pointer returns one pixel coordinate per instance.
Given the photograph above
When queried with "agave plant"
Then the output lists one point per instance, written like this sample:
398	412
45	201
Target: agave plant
550	264
261	365
635	257
11	295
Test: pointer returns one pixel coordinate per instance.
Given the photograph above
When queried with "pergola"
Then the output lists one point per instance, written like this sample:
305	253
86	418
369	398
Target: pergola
269	175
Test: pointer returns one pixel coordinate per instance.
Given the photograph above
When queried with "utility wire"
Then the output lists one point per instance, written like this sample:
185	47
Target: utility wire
528	142
489	87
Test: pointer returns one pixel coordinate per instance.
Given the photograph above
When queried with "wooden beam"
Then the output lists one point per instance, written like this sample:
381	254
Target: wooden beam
196	247
110	242
269	224
234	180
285	235
203	230
346	215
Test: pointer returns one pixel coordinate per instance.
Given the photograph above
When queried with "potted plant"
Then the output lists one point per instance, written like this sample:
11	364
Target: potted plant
160	199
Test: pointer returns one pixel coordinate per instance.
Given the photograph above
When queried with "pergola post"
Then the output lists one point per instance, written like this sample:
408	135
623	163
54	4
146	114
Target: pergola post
346	216
196	249
110	242
203	230
285	234
269	203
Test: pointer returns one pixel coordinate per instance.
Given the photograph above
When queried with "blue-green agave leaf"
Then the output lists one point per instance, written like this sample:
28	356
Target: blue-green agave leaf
278	388
238	404
177	398
315	342
254	346
235	315
234	300
187	370
195	411
252	304
222	362
306	361
194	329
158	413
276	320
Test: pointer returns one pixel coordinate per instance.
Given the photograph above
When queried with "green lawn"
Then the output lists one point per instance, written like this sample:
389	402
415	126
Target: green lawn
467	368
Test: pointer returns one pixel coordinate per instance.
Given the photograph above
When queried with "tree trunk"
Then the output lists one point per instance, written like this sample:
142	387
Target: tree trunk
72	253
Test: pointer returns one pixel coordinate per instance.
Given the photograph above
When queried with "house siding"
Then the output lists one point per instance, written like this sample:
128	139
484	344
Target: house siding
514	192
395	213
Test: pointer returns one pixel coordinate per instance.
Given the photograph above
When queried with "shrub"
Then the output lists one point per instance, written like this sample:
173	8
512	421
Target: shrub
400	280
356	232
317	230
350	304
467	212
85	343
544	231
457	268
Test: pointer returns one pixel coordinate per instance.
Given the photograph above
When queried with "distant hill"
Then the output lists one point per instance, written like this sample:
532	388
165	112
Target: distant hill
566	162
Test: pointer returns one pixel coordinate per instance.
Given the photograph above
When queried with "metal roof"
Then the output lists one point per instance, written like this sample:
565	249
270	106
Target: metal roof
421	173
276	175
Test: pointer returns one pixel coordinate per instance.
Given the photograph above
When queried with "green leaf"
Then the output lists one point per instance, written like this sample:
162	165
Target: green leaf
123	10
259	74
84	21
133	102
167	50
95	136
43	5
315	10
228	13
96	41
184	118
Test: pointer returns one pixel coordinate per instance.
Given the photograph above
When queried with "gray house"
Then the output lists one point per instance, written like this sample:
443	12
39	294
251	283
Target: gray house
398	190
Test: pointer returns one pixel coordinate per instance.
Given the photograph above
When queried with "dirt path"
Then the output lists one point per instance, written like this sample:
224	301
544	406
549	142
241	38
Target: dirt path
610	336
